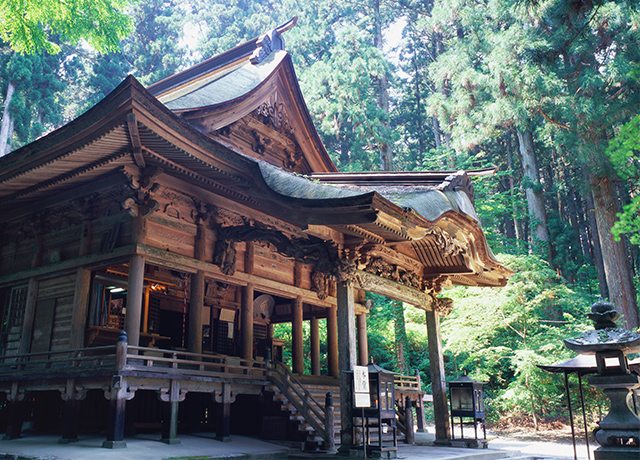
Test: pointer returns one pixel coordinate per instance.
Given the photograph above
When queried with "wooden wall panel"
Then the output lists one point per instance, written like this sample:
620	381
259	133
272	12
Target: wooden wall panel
61	289
62	323
60	286
179	241
17	256
272	265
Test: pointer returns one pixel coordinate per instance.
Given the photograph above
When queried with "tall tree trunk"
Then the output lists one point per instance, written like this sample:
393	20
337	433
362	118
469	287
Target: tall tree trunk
596	247
386	155
6	130
617	268
417	81
512	193
535	200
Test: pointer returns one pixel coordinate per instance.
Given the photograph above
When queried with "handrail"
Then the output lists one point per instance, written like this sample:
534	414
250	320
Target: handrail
303	401
72	357
200	360
407	382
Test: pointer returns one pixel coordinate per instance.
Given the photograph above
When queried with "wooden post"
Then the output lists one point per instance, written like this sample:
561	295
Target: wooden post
419	406
196	302
135	289
314	338
297	353
332	341
363	344
70	413
171	399
145	308
329	423
15	409
224	398
246	321
196	308
29	316
438	381
409	437
347	359
80	303
118	396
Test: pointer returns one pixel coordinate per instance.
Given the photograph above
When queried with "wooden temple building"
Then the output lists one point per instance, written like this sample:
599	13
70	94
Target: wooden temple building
194	215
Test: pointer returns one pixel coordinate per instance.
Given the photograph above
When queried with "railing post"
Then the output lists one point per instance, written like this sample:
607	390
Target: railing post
121	351
329	421
409	437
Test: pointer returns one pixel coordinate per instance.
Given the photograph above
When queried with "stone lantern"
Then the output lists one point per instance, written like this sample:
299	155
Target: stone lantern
619	434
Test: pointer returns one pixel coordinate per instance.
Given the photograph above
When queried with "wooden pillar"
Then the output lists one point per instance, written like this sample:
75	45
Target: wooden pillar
224	398
347	358
196	301
246	321
438	380
135	292
314	338
297	351
118	396
332	342
15	412
70	413
171	399
29	316
80	303
363	344
196	308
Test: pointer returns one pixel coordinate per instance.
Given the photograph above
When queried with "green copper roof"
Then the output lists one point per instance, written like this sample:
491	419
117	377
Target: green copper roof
225	86
426	201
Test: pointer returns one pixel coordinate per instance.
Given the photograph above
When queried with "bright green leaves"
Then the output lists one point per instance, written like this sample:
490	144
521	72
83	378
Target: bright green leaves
28	25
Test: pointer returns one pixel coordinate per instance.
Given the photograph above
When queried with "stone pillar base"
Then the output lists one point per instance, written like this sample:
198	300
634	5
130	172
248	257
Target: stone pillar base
114	444
170	440
616	453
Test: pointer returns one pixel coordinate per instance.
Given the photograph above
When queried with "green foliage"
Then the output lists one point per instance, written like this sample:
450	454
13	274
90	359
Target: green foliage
624	151
500	335
28	25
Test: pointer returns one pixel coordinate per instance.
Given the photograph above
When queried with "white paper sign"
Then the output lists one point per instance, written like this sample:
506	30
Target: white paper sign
361	386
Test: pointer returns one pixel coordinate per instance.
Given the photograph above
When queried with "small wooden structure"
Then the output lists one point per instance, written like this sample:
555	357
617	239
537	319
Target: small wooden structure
467	402
167	212
378	421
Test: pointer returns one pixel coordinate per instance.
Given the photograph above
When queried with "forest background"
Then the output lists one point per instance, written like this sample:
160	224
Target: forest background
545	91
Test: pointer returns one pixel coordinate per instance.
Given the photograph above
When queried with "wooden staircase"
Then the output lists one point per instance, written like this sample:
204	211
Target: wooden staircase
305	405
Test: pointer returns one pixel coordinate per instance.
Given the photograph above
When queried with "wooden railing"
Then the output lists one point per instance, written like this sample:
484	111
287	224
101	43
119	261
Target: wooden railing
124	357
78	359
407	383
304	402
186	363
